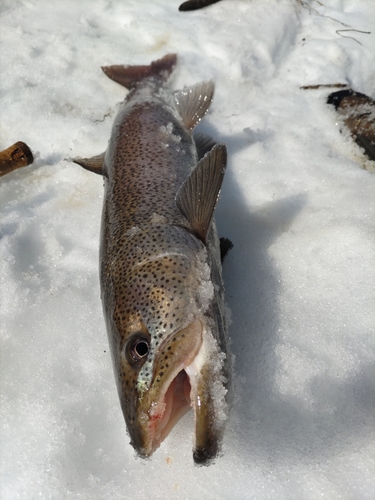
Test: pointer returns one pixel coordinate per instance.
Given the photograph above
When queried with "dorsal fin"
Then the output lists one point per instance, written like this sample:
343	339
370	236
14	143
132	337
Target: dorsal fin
193	102
94	164
198	195
130	76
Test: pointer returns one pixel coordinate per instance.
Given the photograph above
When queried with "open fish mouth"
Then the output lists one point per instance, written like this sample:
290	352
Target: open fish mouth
173	407
181	381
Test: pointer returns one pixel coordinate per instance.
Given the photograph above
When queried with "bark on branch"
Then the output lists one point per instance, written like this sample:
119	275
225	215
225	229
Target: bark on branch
16	156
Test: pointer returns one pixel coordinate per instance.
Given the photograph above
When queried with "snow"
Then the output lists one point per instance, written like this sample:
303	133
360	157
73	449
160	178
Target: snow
298	203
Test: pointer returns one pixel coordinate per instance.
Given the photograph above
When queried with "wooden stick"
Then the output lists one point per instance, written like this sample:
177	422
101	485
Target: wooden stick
16	156
325	86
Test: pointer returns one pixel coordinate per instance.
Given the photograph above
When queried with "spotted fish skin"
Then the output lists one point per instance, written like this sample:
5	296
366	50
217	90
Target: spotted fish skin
160	271
358	112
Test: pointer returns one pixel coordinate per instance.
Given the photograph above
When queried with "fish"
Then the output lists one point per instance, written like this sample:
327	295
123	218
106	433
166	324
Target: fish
358	112
161	260
195	4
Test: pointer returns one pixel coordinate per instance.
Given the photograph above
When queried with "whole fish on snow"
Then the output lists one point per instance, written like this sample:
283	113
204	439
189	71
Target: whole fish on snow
160	270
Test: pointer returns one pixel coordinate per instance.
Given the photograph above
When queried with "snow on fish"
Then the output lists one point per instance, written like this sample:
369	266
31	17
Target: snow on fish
160	260
358	113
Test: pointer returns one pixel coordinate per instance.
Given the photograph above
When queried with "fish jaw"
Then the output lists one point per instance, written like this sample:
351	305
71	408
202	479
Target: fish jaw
169	396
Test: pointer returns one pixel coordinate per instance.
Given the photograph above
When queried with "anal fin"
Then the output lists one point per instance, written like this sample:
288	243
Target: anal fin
94	164
198	195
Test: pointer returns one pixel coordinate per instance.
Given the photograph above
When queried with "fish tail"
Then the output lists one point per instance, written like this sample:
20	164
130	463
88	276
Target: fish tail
130	76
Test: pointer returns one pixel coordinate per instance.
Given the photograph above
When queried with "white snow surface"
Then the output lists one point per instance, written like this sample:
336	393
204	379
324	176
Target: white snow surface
297	203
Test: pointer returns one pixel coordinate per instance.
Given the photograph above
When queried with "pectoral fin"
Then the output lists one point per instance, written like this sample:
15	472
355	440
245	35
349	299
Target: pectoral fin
193	102
225	247
198	195
94	164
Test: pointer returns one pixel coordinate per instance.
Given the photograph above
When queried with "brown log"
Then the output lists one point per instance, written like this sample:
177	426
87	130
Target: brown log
16	156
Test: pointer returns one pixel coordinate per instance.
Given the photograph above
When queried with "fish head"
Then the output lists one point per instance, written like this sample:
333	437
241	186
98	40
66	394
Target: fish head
163	362
163	400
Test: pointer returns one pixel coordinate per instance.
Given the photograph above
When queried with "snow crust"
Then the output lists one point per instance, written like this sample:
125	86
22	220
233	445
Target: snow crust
297	202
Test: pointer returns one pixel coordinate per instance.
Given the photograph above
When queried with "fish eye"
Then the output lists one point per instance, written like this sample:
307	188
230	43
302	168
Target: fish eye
140	349
137	349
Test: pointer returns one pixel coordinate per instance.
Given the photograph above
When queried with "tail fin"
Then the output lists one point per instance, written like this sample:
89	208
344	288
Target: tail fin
130	76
